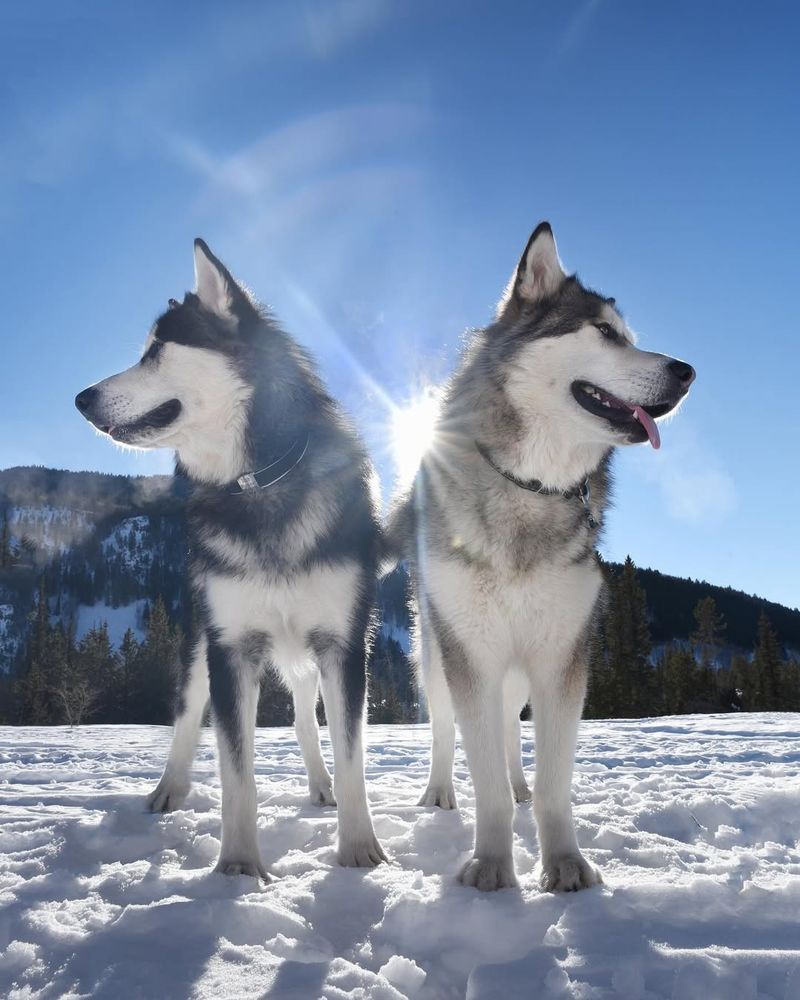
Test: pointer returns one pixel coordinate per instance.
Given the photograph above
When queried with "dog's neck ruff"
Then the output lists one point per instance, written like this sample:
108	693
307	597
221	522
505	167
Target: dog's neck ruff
251	482
581	490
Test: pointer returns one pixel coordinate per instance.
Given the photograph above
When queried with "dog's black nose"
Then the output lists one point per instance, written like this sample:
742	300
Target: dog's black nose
85	399
683	372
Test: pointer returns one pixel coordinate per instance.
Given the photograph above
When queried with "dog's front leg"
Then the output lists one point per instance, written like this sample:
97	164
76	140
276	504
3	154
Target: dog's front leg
234	684
557	704
479	710
171	791
343	678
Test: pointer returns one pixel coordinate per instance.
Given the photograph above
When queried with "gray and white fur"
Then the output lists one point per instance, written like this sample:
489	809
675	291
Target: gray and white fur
283	577
506	580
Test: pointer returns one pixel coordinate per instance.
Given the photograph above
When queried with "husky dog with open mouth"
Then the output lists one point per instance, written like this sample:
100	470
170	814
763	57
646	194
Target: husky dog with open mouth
500	529
284	545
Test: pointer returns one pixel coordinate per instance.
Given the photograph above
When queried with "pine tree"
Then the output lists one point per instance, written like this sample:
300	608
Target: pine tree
790	685
128	660
96	655
628	643
59	658
768	661
680	678
275	706
745	682
602	697
78	685
34	688
90	688
709	628
383	704
158	659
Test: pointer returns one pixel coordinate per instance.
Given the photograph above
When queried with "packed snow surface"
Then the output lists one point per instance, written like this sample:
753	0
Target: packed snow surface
693	820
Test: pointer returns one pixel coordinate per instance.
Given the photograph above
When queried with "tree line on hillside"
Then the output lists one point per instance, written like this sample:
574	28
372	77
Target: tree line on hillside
63	680
629	680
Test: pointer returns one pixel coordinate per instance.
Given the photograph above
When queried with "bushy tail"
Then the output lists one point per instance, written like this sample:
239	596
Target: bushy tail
398	532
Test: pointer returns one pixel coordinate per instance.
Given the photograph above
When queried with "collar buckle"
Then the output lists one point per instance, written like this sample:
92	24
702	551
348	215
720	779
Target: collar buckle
247	482
585	495
253	482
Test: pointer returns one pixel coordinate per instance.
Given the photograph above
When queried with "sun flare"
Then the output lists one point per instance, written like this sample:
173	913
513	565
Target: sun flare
412	433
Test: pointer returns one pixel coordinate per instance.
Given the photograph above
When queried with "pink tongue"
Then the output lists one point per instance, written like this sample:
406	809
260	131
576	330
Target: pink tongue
649	425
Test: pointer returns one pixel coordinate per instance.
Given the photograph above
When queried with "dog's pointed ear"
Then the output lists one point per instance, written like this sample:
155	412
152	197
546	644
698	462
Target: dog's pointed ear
539	273
214	284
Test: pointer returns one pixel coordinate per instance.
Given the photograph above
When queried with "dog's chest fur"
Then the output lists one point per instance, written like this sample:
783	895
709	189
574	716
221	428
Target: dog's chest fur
513	574
288	610
266	592
514	617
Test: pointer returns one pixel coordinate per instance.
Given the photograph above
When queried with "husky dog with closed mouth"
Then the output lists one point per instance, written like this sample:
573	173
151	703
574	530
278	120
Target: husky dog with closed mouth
500	529
283	542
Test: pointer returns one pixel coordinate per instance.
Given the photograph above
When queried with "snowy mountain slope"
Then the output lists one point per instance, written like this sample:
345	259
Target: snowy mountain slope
129	539
47	529
93	539
694	821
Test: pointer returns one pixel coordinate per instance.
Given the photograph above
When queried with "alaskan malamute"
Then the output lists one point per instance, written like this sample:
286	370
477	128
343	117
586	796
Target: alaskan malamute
284	545
500	530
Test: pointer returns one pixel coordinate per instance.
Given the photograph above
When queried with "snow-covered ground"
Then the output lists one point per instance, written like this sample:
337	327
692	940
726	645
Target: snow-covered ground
694	821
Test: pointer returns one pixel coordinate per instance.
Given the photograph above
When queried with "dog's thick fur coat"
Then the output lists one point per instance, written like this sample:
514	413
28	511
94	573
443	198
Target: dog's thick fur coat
283	577
506	580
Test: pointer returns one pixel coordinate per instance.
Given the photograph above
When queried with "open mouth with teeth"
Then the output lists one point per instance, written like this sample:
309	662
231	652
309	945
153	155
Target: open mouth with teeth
639	421
154	420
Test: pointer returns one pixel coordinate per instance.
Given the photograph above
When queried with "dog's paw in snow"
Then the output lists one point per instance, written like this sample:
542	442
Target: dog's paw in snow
443	796
366	853
321	793
254	869
521	792
489	874
568	874
167	796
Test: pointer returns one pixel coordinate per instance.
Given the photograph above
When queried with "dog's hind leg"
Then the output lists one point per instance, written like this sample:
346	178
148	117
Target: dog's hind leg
440	791
557	703
304	693
234	700
343	678
172	789
515	697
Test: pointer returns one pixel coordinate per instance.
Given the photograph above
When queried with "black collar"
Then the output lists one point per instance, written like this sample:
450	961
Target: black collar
581	490
250	482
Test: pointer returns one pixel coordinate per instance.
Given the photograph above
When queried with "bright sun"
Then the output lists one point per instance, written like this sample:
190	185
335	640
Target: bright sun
412	433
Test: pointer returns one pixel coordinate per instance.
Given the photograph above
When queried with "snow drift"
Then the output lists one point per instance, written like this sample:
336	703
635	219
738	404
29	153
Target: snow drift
693	820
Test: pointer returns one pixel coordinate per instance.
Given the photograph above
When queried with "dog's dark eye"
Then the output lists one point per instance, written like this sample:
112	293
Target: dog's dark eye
607	330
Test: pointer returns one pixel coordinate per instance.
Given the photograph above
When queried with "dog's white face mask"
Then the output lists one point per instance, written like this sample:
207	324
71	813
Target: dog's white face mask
182	388
581	374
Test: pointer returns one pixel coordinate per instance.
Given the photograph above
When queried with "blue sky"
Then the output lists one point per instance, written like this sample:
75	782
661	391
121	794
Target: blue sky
372	170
